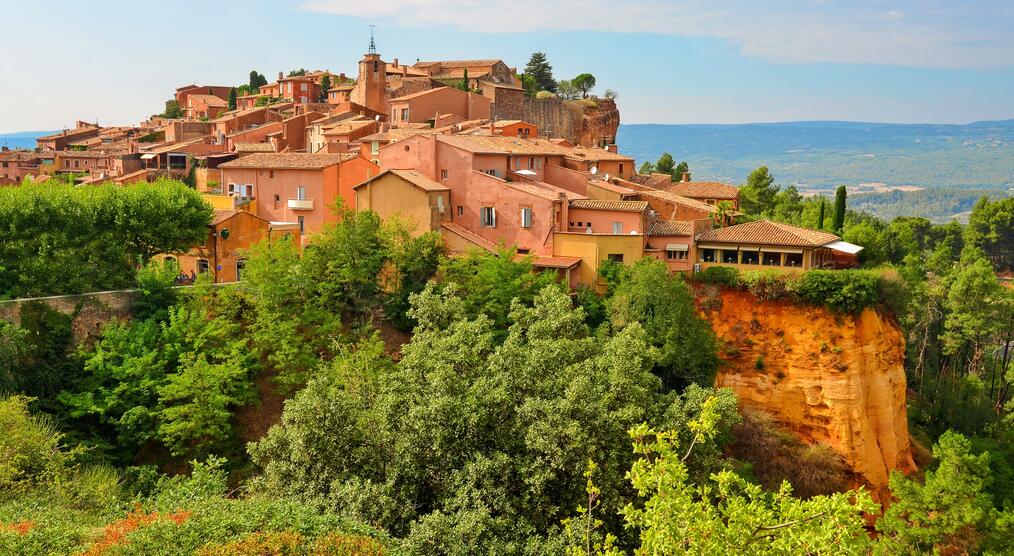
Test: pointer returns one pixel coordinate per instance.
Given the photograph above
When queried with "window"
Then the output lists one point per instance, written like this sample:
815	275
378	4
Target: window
621	168
771	259
488	215
730	256
524	251
404	114
302	86
443	173
707	255
202	266
249	190
374	147
617	227
66	164
750	257
794	259
461	210
271	174
277	200
301	192
580	224
710	201
491	172
676	255
77	163
240	265
232	188
440	204
615	257
517	163
301	227
526	217
531	162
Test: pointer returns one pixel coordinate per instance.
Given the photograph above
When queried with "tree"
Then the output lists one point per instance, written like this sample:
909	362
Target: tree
680	171
232	98
463	85
545	95
567	90
665	164
297	73
991	229
839	209
661	302
820	217
539	69
610	94
585	82
758	195
256	81
172	110
325	85
529	84
646	168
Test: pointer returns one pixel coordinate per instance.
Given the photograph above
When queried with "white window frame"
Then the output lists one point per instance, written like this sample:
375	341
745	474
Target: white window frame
526	217
301	192
617	227
488	216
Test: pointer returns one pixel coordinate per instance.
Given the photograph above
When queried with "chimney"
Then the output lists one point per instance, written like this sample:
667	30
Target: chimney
612	148
281	75
395	62
686	177
341	78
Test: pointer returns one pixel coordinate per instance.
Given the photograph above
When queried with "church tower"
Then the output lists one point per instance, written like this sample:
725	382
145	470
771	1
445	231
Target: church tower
371	87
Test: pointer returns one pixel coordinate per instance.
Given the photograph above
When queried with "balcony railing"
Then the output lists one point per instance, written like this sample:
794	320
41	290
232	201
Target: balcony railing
301	204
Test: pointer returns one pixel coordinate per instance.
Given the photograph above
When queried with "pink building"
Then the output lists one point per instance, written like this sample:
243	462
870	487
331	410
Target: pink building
297	187
425	106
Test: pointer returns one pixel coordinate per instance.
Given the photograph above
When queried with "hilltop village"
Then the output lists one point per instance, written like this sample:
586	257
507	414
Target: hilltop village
456	147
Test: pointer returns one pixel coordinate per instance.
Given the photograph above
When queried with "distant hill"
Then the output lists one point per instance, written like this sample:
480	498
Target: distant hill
21	139
821	155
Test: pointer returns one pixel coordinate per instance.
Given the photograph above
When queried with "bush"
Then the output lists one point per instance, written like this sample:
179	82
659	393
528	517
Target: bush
722	275
846	291
766	284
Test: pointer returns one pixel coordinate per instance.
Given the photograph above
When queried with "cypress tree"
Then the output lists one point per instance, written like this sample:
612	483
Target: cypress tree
820	216
325	84
839	209
232	98
464	82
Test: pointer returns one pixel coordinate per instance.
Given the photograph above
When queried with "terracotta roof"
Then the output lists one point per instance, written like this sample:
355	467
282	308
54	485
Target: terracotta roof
672	228
210	100
295	161
586	153
656	181
348	127
679	199
424	93
768	232
84	154
468	235
502	145
415	177
622	206
222	215
618	189
705	189
255	148
554	261
457	63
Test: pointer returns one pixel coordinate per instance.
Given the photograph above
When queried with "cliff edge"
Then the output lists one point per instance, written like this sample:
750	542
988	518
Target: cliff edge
834	379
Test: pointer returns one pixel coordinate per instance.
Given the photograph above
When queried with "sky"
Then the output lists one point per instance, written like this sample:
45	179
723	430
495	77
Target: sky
693	61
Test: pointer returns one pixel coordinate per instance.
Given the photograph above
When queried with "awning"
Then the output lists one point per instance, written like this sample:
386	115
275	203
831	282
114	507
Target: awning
780	250
844	247
148	156
525	173
676	247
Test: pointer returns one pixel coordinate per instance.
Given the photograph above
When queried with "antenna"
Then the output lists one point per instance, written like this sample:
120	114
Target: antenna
373	45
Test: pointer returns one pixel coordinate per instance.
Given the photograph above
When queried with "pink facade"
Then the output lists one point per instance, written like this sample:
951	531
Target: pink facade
605	221
425	106
252	135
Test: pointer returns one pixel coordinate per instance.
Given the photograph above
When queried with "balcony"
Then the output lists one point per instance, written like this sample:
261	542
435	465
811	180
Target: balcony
301	204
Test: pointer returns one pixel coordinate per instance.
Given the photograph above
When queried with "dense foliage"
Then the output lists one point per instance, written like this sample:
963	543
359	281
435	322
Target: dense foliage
57	239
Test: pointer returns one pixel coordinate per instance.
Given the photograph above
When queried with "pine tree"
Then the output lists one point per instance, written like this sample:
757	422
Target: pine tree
539	69
665	164
681	169
839	209
820	216
325	84
232	98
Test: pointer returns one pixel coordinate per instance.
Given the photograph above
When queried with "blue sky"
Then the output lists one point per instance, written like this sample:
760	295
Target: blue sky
693	61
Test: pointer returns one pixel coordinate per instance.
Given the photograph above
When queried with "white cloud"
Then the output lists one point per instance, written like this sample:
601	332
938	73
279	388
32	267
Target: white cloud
930	33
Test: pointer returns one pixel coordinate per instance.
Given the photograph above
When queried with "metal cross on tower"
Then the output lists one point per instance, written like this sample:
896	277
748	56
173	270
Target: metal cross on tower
373	46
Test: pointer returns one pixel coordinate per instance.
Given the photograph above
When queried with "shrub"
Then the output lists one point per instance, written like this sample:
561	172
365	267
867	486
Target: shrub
722	275
846	291
766	284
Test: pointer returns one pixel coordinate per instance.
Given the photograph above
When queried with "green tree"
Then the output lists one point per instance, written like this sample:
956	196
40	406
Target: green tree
758	195
172	110
256	81
646	168
840	196
681	169
529	84
538	69
661	302
665	164
325	85
820	218
232	98
870	238
566	89
463	85
584	82
156	294
991	229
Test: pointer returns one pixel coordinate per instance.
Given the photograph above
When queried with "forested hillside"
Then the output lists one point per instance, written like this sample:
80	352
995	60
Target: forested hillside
470	405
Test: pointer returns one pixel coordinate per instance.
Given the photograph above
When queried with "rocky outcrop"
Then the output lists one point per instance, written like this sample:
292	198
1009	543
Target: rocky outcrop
599	122
588	122
834	379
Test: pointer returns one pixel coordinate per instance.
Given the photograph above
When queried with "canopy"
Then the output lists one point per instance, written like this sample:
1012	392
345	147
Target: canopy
676	247
844	247
148	156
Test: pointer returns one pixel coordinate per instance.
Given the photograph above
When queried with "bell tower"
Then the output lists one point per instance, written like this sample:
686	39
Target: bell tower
371	87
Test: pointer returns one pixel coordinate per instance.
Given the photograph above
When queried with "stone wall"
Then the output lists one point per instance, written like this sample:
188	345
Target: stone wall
90	310
589	123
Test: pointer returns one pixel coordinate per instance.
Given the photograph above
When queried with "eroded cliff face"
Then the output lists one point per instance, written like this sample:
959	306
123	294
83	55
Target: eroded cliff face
835	379
598	123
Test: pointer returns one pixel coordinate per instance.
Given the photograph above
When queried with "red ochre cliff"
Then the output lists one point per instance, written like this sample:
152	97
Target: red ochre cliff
834	379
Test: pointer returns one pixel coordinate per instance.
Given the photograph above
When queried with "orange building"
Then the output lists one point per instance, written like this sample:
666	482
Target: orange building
297	187
514	128
710	192
425	106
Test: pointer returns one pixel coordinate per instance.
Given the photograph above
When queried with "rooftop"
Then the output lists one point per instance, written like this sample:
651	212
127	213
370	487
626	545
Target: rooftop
622	206
294	161
704	189
486	144
768	232
671	228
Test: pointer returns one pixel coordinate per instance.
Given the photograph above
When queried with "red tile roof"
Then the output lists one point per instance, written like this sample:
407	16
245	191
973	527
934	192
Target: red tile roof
295	161
671	228
769	233
621	206
705	189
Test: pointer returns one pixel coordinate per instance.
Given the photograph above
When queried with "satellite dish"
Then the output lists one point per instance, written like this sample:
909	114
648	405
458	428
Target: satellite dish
377	117
594	170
